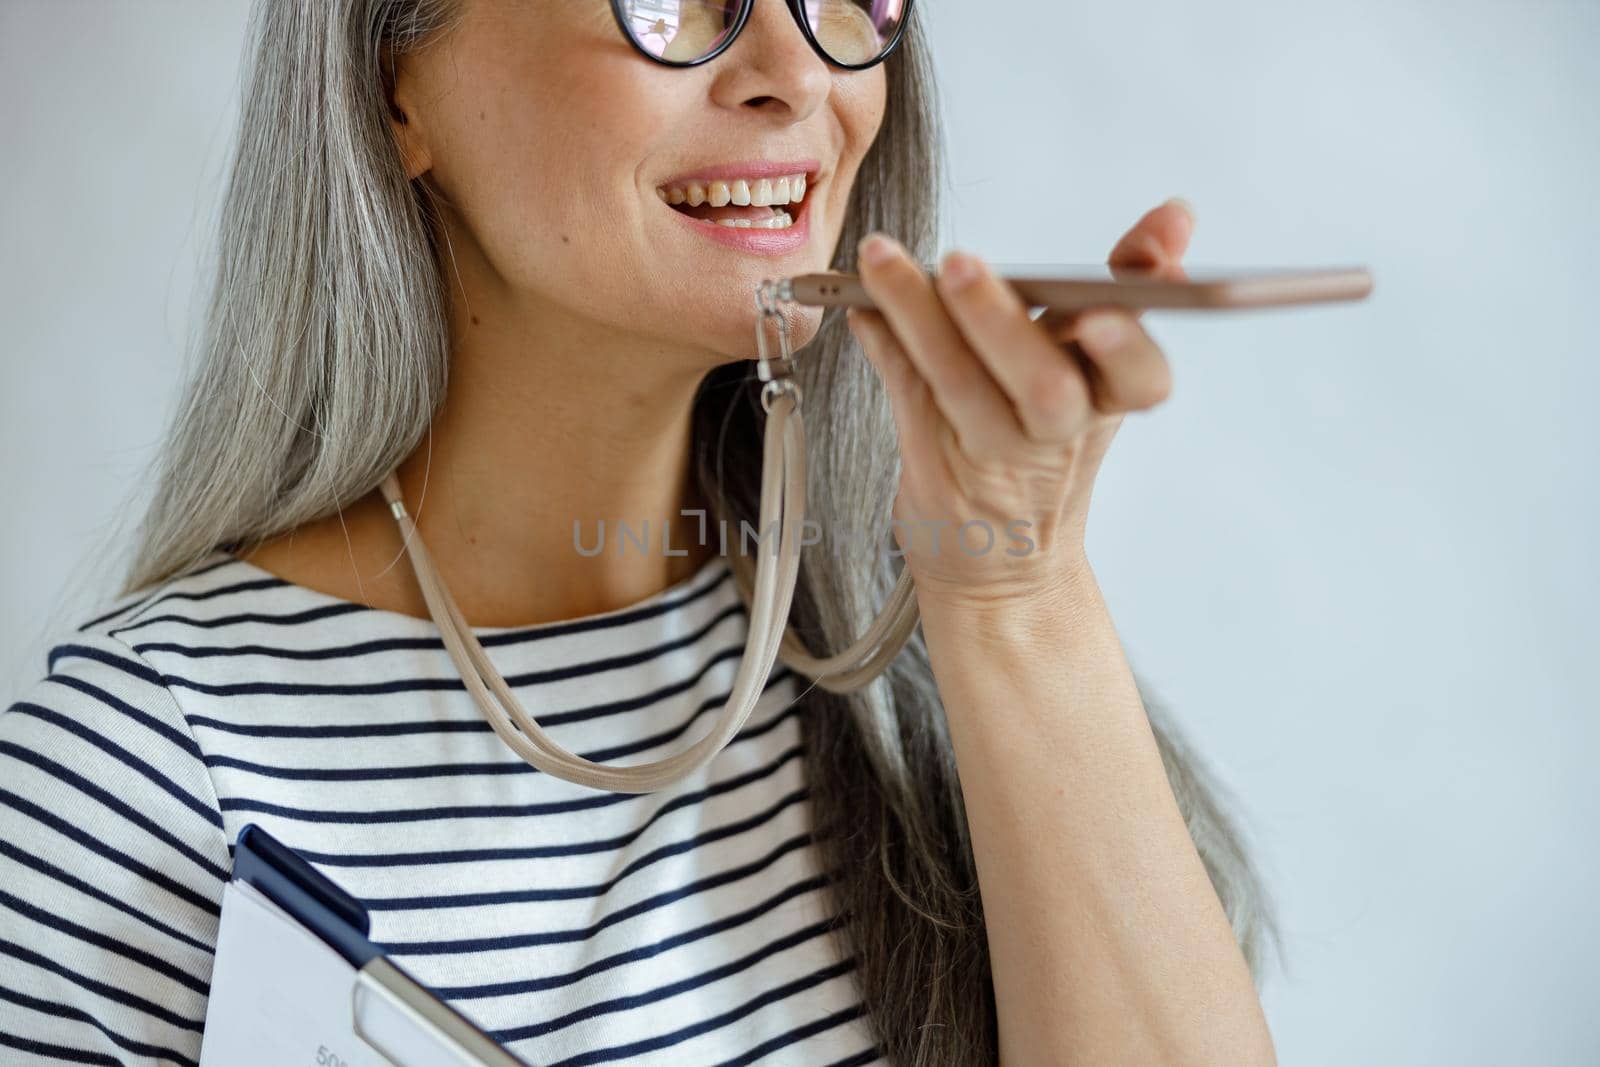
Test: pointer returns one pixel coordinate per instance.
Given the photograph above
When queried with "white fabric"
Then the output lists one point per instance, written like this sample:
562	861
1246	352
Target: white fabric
680	926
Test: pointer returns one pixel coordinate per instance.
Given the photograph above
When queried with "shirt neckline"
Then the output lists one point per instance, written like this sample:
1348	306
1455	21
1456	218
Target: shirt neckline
715	572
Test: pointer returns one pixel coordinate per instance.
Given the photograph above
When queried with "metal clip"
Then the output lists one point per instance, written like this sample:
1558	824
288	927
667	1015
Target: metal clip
775	371
772	290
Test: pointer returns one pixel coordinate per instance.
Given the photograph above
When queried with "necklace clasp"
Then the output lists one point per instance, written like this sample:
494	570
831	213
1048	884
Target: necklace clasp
771	366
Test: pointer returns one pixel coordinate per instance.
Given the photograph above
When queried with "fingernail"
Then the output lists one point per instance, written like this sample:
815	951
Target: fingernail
1181	202
875	249
1103	331
958	269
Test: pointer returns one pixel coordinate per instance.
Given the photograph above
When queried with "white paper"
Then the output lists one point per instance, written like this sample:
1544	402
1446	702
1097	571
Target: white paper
280	996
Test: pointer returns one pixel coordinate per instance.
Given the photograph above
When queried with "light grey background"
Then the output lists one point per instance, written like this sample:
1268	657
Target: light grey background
1354	549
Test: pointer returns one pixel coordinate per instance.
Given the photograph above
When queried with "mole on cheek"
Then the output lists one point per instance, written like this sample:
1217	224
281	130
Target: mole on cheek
474	320
565	239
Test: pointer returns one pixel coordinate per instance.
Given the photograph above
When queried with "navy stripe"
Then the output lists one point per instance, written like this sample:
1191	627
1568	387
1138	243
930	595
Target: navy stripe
136	668
110	992
662	992
108	800
430	644
134	604
201	594
512	764
441	685
528	896
487	811
110	944
300	720
520	986
799	1033
323	731
373	774
482	855
799	985
871	1055
121	859
57	1052
67	1011
320	731
51	871
346	607
328	611
659	900
611	621
143	718
208	812
399	815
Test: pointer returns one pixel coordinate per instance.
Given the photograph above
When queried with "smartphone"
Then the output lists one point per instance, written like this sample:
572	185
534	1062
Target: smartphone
1071	287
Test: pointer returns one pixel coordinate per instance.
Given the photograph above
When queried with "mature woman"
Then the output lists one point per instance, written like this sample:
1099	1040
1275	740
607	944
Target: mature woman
996	851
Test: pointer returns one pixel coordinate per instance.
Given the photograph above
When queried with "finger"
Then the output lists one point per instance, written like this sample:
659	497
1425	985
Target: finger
1153	247
1130	371
1059	324
1157	241
976	408
916	416
1048	392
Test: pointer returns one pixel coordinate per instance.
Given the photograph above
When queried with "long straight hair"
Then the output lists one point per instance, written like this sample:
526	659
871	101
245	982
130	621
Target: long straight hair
322	357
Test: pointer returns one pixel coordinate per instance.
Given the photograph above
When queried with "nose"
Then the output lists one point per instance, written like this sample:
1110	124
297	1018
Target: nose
771	66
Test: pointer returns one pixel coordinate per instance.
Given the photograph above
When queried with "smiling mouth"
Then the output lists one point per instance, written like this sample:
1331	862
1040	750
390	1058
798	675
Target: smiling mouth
742	203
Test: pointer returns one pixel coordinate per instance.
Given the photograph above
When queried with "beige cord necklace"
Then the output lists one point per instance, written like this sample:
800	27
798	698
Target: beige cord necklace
783	497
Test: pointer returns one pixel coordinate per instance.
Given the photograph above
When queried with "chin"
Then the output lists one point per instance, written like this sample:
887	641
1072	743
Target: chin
730	328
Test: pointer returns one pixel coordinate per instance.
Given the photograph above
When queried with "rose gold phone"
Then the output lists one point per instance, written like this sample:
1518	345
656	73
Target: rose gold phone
1077	288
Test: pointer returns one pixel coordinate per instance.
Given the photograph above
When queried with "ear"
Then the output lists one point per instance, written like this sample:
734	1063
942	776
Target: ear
399	93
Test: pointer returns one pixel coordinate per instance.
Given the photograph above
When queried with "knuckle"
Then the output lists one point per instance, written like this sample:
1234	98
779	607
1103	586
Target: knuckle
1057	390
961	376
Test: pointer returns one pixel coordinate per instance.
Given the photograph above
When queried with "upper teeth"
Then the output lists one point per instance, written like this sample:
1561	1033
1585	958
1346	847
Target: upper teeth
759	192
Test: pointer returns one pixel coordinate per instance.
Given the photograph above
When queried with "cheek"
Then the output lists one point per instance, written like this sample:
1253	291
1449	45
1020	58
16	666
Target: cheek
858	106
547	173
861	102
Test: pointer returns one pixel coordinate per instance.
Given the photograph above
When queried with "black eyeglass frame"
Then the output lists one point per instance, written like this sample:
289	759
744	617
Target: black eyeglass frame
745	7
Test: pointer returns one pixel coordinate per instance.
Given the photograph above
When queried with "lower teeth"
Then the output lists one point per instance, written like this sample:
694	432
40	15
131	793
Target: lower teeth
779	221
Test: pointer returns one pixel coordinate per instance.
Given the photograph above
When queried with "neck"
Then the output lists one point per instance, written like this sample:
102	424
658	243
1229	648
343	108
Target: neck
548	420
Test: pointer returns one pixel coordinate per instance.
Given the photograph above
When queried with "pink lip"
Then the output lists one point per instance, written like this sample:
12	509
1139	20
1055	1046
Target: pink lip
758	242
753	168
751	240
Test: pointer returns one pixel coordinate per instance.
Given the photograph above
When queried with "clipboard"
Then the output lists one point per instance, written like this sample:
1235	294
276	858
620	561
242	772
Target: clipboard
298	980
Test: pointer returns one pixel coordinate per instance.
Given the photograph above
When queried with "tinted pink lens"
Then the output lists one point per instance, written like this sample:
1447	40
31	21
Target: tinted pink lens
680	31
853	32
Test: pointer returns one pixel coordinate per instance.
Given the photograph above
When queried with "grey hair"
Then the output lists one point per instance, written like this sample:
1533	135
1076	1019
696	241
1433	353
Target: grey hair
323	355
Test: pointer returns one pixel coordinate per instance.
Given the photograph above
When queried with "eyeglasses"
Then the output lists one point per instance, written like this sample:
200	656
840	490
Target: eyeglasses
853	34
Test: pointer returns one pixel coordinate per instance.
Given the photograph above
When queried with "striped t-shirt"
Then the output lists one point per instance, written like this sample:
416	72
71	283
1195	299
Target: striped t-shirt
686	926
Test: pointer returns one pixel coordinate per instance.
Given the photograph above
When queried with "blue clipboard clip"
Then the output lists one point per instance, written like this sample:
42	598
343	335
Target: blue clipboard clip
383	993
